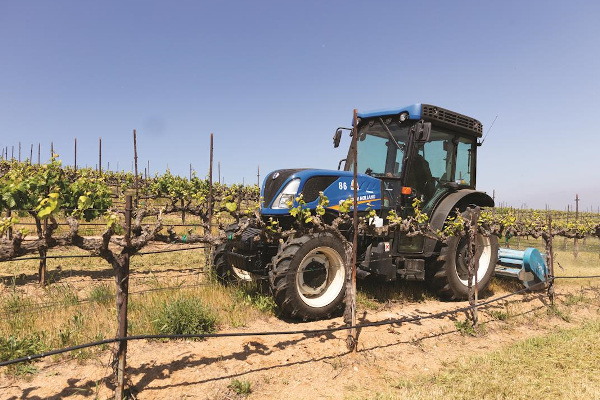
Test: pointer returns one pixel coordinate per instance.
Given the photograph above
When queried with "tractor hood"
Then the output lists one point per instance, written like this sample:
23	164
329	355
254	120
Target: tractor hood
281	186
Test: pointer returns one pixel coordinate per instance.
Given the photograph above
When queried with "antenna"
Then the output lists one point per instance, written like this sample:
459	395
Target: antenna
488	132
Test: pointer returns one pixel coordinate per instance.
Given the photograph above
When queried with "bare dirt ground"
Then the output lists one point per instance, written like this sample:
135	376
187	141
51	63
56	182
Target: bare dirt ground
300	366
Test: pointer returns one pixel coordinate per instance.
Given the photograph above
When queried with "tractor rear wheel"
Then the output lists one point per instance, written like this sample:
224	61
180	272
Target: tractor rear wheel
308	276
449	274
227	273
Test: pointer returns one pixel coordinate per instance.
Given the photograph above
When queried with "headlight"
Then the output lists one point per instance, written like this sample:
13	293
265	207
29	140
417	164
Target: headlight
287	194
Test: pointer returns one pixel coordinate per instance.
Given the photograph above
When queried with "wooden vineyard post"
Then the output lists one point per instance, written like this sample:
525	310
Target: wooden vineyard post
350	312
473	261
122	280
182	211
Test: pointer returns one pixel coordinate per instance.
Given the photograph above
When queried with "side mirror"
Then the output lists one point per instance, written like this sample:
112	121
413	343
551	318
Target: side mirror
422	131
337	137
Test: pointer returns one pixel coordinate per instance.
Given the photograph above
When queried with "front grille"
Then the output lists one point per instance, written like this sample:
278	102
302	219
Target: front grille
314	185
452	118
272	186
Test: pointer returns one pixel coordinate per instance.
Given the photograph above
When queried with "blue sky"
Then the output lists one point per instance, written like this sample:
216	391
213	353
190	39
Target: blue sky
273	79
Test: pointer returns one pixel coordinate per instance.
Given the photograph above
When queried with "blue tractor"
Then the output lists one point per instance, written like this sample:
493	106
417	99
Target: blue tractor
420	151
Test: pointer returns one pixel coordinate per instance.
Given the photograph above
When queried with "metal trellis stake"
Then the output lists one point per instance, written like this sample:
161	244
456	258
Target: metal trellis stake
550	260
210	186
135	158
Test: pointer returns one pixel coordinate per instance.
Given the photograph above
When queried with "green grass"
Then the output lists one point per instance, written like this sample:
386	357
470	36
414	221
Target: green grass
535	368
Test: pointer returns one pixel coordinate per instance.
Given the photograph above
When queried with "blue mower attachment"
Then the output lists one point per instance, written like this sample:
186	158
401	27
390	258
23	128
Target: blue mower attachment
528	266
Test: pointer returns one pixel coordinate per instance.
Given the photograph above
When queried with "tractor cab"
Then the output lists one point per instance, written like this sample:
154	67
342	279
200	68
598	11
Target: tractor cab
420	151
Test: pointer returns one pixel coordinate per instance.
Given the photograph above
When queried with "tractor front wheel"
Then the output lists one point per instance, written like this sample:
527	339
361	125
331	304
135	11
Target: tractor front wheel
308	276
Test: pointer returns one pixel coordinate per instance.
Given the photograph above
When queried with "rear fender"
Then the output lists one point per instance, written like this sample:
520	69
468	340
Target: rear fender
461	200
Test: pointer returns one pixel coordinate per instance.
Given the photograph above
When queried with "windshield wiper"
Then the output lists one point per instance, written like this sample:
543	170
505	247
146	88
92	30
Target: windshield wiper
390	135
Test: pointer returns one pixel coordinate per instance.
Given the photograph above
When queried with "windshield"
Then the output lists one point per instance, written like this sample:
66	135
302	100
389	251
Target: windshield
377	153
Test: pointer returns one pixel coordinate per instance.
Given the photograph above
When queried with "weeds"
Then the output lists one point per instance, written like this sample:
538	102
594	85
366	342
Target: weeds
499	315
466	328
15	303
102	294
72	330
574	299
554	311
251	294
184	316
241	387
63	294
13	347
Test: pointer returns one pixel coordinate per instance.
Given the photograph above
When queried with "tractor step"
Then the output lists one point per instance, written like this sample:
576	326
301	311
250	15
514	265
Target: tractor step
527	265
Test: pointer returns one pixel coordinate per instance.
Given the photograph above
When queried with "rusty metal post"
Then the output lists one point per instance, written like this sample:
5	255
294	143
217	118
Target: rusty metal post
352	339
576	240
550	260
39	152
75	154
210	186
31	155
100	156
122	277
19	151
51	149
135	160
208	262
